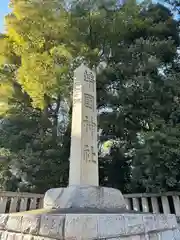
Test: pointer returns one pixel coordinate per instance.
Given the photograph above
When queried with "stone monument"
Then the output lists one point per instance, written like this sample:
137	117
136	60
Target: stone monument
84	210
84	153
83	190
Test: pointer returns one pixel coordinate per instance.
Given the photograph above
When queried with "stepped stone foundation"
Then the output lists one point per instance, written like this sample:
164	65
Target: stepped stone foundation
41	225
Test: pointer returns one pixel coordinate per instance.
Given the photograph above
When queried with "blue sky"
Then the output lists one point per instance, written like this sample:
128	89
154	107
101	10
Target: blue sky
3	11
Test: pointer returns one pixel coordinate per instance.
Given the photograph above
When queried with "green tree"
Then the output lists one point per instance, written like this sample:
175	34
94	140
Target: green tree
137	88
157	158
34	91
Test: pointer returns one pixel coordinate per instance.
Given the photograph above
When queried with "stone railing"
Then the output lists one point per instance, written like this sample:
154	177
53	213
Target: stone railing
155	203
17	202
146	202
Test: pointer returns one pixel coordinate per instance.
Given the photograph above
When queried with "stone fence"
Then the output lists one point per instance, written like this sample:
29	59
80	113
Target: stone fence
147	202
11	202
166	203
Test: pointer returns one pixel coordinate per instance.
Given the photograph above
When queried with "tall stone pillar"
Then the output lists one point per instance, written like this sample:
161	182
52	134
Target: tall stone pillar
84	152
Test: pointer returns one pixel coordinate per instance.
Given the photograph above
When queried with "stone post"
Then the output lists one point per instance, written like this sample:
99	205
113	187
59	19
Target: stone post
84	153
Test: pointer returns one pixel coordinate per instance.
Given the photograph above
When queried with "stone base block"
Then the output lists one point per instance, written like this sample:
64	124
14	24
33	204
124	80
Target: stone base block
84	196
46	226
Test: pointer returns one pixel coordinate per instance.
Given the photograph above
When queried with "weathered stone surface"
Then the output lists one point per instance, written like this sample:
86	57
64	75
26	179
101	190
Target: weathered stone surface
134	224
94	226
1	232
10	236
155	236
4	235
176	234
52	226
28	237
16	236
30	224
114	225
135	237
167	235
91	226
117	238
160	221
110	225
149	222
172	221
84	196
144	236
165	221
53	197
14	223
84	225
3	220
44	238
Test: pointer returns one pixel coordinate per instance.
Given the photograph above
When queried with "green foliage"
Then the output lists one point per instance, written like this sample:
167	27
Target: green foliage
157	160
139	87
37	163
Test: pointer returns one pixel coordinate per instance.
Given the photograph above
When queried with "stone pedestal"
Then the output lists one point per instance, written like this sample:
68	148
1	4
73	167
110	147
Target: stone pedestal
84	197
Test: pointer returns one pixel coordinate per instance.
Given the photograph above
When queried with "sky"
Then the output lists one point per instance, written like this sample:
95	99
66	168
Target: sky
3	11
